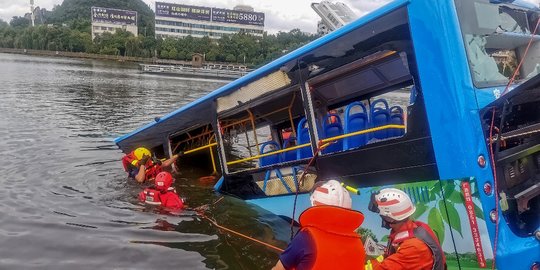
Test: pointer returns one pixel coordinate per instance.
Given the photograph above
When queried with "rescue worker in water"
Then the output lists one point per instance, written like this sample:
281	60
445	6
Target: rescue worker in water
412	244
327	237
162	193
142	166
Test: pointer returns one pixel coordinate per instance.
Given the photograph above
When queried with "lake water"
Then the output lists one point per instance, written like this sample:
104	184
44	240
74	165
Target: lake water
65	201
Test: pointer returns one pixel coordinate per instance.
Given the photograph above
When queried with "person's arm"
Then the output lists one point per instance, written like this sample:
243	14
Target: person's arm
171	160
278	266
141	175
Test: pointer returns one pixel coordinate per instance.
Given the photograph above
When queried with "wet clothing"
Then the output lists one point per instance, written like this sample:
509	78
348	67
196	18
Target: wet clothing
131	166
300	254
413	246
327	240
167	199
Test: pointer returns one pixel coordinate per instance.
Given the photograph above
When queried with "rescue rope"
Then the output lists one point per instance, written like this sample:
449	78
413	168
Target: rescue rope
213	222
300	181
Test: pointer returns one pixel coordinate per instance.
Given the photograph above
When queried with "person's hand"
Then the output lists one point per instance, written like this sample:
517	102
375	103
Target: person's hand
144	159
180	153
156	161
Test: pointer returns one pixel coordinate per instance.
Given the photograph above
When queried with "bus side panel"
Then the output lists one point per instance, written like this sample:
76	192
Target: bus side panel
441	205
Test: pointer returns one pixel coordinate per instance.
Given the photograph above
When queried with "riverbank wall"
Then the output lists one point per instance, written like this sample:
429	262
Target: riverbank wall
100	57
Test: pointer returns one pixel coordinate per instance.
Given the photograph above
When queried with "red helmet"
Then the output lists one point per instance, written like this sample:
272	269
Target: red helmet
163	181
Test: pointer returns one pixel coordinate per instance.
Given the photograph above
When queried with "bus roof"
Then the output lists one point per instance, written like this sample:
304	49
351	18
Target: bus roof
194	113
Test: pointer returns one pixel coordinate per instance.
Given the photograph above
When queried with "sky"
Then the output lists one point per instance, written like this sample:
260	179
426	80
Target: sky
281	15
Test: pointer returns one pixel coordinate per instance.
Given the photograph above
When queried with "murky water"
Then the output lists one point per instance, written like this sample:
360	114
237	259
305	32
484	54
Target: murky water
65	202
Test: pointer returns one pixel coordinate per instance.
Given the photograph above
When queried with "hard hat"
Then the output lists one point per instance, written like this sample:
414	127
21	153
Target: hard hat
163	181
392	203
140	152
331	193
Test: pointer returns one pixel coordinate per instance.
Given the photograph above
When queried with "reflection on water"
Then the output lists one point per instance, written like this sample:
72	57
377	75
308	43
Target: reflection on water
64	200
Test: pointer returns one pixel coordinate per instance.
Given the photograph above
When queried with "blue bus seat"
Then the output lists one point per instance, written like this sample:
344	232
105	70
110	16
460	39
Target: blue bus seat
290	155
355	122
332	130
302	138
269	160
396	118
380	116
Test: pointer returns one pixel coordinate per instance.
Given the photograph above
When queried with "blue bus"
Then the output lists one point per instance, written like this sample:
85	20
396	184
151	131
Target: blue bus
438	98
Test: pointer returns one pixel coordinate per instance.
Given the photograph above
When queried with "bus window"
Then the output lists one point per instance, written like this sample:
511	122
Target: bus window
496	37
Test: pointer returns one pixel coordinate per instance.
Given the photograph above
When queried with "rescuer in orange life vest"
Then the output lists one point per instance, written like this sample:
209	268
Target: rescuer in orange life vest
327	237
142	166
412	244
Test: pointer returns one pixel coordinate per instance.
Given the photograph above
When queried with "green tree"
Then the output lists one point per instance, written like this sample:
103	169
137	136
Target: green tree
20	22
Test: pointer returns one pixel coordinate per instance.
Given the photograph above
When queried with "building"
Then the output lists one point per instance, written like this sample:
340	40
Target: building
173	20
333	16
110	19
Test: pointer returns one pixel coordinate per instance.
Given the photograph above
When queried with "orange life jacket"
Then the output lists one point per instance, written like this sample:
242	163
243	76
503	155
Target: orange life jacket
152	169
421	231
337	244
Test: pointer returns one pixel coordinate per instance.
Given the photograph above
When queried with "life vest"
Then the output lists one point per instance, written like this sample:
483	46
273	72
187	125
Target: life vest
424	233
131	161
337	244
150	196
153	196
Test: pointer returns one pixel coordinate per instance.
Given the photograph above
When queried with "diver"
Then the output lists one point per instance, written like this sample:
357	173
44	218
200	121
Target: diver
162	193
327	237
141	165
412	244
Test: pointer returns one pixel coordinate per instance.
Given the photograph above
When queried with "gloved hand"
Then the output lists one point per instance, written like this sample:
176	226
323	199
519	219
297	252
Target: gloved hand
143	160
156	160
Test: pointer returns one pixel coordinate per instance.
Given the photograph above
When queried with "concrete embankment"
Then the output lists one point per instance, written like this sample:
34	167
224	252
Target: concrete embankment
94	56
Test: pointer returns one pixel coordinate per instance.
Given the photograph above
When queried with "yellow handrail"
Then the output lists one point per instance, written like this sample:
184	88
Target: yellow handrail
339	137
199	148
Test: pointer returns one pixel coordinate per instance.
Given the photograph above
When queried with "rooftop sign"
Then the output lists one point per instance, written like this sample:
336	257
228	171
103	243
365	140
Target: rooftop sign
115	16
209	14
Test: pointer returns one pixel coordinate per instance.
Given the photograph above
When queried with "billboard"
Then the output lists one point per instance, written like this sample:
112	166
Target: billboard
114	16
236	16
183	11
209	14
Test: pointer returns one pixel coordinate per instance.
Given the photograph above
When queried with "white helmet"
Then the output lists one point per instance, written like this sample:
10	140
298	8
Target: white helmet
393	203
331	193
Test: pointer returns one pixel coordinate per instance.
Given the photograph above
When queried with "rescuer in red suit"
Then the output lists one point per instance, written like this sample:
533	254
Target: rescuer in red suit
162	193
140	165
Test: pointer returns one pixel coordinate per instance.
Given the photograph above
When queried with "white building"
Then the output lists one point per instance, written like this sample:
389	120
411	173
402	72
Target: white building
173	20
110	19
333	16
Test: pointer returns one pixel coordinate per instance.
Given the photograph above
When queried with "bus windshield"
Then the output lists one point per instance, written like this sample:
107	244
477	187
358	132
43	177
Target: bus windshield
496	35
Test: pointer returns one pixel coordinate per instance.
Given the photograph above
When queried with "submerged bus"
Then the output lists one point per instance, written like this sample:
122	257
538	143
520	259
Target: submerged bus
439	98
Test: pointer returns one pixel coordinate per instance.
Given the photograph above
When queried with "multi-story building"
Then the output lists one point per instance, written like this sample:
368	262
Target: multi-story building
110	19
173	20
333	16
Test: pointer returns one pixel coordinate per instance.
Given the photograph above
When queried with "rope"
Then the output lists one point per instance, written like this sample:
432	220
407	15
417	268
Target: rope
300	181
213	222
240	234
496	190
